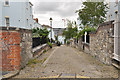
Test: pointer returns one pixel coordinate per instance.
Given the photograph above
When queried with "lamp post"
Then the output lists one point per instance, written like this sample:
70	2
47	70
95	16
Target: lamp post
51	28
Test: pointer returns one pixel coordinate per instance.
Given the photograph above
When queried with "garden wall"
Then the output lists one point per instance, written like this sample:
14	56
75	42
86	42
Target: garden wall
101	43
37	51
15	47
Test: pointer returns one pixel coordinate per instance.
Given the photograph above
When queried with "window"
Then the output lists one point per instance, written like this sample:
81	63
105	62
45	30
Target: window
6	2
87	38
7	21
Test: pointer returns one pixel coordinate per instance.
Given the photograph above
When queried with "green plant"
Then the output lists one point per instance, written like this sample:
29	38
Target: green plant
61	43
86	29
92	13
58	43
44	59
71	30
56	37
50	44
68	42
42	34
32	61
44	51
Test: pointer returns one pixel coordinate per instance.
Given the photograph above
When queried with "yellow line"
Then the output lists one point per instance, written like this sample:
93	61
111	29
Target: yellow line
50	77
82	77
64	77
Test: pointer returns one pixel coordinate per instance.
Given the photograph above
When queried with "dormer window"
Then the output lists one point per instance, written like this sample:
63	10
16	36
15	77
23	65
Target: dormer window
6	2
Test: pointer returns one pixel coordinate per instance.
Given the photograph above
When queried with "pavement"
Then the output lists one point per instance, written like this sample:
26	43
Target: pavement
67	62
7	74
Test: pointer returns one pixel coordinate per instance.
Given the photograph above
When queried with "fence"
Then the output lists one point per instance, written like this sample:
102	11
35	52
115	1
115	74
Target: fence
36	42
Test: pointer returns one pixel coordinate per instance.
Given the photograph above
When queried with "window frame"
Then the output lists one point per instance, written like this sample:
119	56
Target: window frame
6	4
7	24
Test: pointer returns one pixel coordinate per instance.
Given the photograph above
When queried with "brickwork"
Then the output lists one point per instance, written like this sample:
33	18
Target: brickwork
10	48
15	48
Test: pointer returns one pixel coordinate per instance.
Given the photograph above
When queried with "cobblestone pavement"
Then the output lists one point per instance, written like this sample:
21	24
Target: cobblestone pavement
70	61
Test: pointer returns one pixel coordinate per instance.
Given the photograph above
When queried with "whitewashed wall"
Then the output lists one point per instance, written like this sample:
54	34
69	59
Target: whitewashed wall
111	15
18	12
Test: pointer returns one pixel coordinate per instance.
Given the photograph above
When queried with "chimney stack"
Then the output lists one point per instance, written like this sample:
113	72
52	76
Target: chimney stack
36	19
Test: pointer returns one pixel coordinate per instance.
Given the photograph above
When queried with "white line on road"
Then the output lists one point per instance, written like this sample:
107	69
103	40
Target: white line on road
49	57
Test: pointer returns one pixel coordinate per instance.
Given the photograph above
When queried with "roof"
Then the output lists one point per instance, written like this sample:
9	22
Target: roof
59	28
46	26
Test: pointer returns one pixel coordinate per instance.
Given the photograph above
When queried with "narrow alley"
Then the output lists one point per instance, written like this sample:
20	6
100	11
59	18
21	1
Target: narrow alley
64	61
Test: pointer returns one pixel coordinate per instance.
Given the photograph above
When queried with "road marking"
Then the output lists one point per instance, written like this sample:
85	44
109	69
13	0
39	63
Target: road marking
64	77
82	77
49	57
50	77
67	75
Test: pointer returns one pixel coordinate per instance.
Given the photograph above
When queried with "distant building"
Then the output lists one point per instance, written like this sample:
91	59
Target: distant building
58	32
49	28
37	24
16	14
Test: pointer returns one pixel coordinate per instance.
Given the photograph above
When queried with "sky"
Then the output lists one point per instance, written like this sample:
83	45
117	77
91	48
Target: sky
58	10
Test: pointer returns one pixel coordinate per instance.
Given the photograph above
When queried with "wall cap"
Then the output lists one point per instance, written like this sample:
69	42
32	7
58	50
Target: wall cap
13	28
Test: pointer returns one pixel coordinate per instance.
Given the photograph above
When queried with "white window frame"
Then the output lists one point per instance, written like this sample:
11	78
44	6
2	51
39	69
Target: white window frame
6	4
6	22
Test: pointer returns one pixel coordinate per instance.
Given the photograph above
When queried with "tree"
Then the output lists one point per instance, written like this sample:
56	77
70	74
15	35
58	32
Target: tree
71	30
42	33
56	37
93	13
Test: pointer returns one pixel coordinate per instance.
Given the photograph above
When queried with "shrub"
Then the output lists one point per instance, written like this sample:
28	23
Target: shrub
86	29
58	43
32	61
68	42
42	34
44	51
50	44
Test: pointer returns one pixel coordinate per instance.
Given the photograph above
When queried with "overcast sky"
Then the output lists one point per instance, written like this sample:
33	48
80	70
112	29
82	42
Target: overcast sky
58	10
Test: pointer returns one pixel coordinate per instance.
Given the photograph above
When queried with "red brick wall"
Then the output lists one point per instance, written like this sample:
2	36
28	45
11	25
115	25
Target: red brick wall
10	50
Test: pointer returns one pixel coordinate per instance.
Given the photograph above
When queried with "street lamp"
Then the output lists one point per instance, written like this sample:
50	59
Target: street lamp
51	28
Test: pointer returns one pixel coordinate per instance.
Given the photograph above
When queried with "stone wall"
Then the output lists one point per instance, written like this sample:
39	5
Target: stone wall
26	46
37	51
15	48
102	43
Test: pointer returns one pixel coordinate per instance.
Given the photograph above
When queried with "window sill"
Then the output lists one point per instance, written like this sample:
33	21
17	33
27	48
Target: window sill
85	43
6	6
